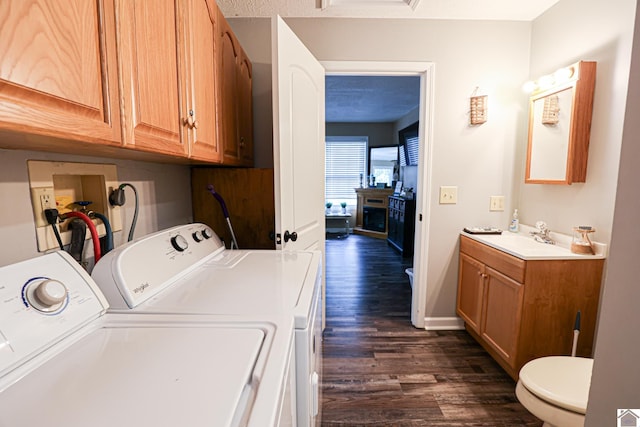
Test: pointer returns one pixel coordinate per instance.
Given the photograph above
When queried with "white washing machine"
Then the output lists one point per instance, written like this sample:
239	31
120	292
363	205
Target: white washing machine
186	269
64	362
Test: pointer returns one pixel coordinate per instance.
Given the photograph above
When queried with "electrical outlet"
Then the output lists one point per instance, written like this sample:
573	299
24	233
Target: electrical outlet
448	195
42	198
496	203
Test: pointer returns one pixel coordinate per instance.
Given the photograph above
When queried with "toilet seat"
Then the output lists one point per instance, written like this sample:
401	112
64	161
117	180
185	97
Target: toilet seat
562	381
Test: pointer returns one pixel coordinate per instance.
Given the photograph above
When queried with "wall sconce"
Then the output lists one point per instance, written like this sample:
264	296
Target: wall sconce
478	108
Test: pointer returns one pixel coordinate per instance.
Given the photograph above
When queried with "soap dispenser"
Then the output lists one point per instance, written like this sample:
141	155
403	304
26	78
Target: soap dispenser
514	227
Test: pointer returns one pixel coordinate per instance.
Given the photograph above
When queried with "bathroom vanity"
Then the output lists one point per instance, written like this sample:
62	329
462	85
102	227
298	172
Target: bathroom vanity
519	298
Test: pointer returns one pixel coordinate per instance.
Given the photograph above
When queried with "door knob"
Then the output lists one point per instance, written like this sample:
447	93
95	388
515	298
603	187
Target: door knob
290	236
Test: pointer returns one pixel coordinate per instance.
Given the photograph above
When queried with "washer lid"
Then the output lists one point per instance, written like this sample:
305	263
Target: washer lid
142	376
560	380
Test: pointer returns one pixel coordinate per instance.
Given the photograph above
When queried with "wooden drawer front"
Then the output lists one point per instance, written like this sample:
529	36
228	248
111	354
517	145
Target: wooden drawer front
506	264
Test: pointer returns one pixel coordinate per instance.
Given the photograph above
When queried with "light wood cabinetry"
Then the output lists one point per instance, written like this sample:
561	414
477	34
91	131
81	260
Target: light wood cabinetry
58	74
93	77
520	310
235	130
167	62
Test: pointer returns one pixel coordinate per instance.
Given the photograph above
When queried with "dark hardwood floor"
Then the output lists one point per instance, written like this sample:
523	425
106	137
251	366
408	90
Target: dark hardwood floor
381	371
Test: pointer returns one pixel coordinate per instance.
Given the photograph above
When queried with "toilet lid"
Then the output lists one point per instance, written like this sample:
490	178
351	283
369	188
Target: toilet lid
560	380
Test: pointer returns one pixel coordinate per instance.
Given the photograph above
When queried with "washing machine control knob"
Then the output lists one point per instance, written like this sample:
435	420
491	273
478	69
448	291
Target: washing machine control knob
197	236
207	233
48	295
179	243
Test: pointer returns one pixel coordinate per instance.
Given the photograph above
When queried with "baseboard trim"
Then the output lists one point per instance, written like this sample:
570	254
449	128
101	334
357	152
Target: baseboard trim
443	323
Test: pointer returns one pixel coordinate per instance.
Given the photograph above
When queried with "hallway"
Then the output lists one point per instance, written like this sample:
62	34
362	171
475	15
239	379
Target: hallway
381	371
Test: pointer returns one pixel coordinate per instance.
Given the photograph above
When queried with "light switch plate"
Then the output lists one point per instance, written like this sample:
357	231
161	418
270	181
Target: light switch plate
496	203
448	195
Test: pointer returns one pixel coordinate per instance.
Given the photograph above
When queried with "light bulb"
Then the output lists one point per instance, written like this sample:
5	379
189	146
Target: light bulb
529	86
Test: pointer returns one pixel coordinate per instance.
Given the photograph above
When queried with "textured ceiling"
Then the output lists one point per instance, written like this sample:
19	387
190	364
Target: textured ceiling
370	98
518	10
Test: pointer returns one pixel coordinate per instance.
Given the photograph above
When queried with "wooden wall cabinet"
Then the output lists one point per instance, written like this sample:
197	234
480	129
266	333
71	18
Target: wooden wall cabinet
560	127
167	64
234	99
401	229
519	310
58	73
93	77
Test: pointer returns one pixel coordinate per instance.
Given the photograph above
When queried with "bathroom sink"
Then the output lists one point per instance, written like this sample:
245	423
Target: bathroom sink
524	246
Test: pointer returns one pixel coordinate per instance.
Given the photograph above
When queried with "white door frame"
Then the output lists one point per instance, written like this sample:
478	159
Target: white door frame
426	71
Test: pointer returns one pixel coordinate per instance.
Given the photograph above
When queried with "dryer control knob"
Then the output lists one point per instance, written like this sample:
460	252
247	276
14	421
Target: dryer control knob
49	294
179	243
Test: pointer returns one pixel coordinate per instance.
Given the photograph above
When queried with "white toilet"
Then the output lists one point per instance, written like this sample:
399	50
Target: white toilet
555	389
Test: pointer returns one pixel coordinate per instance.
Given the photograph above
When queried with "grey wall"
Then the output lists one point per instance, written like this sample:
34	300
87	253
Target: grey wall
379	134
165	199
575	30
616	376
480	160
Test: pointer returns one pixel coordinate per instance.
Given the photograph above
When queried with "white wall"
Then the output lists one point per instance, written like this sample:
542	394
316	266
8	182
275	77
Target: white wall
165	199
493	56
592	30
616	376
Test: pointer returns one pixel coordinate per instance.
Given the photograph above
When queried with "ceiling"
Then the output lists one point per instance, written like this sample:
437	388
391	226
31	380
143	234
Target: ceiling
512	10
365	99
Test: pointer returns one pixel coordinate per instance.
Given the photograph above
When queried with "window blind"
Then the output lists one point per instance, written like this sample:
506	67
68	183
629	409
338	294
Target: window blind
413	145
345	162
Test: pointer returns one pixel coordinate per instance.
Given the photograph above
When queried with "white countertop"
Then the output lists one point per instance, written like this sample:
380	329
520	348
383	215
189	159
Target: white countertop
523	245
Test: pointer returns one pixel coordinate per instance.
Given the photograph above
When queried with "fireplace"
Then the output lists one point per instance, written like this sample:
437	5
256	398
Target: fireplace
374	219
372	212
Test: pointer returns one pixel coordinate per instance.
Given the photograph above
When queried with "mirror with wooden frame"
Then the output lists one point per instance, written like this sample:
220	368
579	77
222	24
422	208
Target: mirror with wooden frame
560	125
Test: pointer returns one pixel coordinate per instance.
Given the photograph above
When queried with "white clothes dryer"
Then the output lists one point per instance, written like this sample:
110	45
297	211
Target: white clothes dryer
64	361
187	269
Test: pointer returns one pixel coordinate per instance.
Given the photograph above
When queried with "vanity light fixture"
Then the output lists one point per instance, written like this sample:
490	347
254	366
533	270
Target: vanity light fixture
545	82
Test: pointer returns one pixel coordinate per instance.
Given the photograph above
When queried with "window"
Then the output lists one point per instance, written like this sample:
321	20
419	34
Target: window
345	166
409	137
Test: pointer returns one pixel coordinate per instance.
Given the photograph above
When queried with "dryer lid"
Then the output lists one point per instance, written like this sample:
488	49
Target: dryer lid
560	380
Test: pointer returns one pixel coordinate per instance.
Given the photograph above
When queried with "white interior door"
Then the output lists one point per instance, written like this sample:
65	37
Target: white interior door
298	142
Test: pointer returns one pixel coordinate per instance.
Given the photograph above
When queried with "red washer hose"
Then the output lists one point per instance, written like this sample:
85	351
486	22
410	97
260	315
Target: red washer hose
92	228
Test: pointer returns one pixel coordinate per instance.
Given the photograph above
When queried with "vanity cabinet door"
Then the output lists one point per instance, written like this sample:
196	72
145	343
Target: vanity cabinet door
471	276
502	308
58	74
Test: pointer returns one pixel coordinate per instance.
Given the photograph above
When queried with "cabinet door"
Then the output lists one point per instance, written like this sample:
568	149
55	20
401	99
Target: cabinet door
470	291
227	76
200	115
502	313
58	74
245	111
153	83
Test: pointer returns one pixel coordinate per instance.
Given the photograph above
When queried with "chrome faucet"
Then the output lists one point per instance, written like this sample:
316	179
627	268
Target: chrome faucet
542	235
